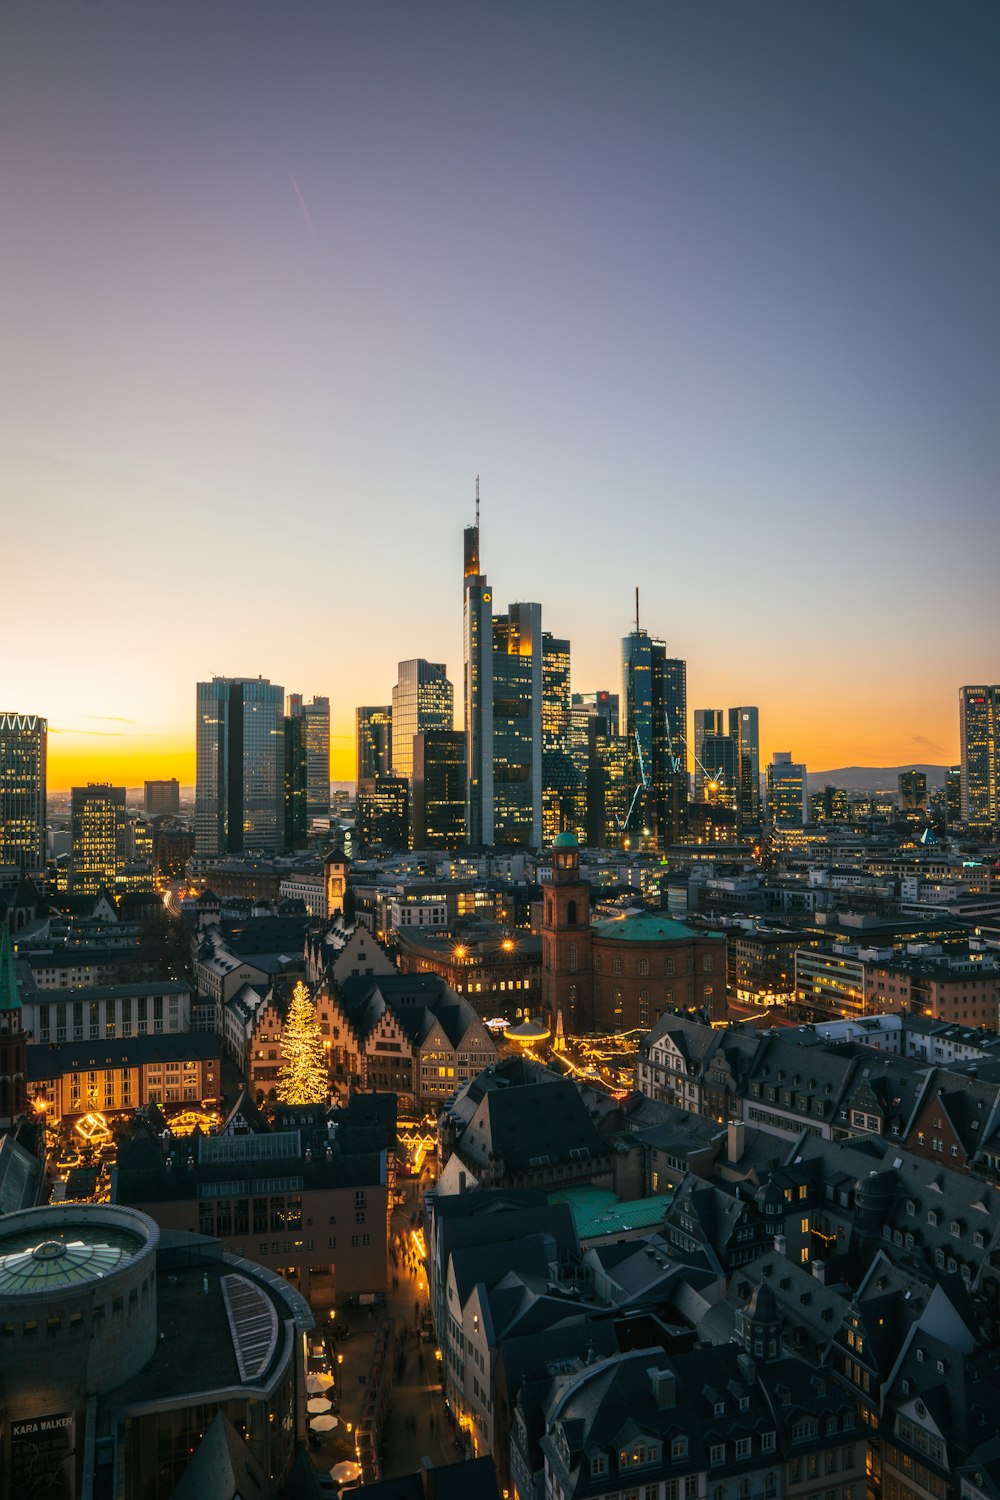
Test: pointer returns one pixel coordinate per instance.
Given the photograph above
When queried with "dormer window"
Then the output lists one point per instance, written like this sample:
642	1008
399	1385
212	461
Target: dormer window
599	1464
932	1217
679	1448
956	1227
719	1409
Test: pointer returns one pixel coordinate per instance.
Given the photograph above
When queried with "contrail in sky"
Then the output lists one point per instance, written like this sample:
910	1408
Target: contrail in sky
302	205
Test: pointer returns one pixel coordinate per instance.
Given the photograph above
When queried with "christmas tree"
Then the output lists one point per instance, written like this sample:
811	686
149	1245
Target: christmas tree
303	1076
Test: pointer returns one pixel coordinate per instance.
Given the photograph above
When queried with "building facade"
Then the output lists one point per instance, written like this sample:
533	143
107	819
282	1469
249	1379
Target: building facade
979	739
23	752
423	700
374	741
654	728
438	790
240	773
100	845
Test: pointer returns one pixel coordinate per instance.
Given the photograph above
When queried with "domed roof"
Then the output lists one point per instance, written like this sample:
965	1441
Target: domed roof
566	840
644	927
30	1264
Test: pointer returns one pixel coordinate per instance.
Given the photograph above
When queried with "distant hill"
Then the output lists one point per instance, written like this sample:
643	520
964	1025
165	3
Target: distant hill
874	778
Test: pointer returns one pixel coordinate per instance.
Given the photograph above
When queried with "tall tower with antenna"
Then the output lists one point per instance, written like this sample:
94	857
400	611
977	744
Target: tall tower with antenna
653	722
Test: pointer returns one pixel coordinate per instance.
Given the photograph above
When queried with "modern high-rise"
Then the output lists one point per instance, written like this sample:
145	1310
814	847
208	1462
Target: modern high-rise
654	727
438	790
718	784
560	780
953	795
599	757
100	837
786	790
706	722
23	747
502	659
316	744
240	766
296	814
382	819
374	733
422	700
744	731
162	798
979	741
912	791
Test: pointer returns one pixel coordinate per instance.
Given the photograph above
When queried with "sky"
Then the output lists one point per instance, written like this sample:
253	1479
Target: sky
705	293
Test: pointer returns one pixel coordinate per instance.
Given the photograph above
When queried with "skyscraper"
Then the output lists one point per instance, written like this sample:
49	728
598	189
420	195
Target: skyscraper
438	790
654	727
979	740
100	837
374	734
786	790
23	748
240	766
296	815
744	730
162	798
912	791
422	700
599	757
502	660
317	717
706	722
560	781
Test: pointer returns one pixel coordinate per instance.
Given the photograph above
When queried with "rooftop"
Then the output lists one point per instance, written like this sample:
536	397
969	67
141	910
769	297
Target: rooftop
598	1211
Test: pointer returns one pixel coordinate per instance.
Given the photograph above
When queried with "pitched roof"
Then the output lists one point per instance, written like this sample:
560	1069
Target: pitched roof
10	997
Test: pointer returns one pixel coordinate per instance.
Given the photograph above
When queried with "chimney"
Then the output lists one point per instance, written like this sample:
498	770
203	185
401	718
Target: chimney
819	1271
781	1244
664	1383
426	1472
461	1182
735	1140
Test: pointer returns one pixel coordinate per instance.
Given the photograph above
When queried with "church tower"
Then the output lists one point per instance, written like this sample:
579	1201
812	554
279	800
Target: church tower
567	968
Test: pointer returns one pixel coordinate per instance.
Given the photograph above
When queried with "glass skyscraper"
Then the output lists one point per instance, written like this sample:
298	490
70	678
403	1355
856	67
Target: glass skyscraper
654	727
240	770
374	735
744	731
23	749
422	700
979	742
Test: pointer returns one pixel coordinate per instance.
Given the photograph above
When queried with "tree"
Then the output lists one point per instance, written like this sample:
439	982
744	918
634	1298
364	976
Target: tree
302	1077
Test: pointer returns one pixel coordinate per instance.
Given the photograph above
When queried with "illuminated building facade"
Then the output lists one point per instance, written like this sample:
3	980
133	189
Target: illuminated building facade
240	775
979	737
422	700
599	757
23	748
705	721
315	718
374	736
786	790
382	818
953	795
719	782
438	790
744	731
502	660
654	727
100	838
831	805
561	782
912	791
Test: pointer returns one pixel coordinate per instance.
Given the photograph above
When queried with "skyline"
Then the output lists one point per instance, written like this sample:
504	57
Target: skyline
705	296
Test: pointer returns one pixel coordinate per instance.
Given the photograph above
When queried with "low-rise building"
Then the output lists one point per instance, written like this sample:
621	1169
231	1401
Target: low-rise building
112	1011
74	1078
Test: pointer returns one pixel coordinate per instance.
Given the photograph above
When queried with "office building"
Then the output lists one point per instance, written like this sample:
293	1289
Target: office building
744	730
100	837
23	744
503	713
719	778
374	736
831	805
162	799
296	813
422	700
786	790
560	781
598	752
705	721
438	790
382	817
315	718
653	725
953	795
240	775
979	739
912	791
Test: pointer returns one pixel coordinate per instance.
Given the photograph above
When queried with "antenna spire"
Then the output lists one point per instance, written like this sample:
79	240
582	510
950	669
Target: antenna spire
477	502
637	609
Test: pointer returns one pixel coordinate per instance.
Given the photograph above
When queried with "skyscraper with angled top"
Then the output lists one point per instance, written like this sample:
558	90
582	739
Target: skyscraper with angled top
654	727
502	662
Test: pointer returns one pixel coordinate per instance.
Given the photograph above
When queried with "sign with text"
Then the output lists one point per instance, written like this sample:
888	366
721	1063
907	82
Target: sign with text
43	1458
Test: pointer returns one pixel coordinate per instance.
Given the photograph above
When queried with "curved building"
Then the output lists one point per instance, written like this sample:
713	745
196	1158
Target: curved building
119	1345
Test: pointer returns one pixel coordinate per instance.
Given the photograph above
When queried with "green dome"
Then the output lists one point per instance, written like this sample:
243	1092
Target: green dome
643	927
566	840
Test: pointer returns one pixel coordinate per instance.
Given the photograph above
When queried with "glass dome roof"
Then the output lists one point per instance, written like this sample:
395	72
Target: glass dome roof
38	1261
